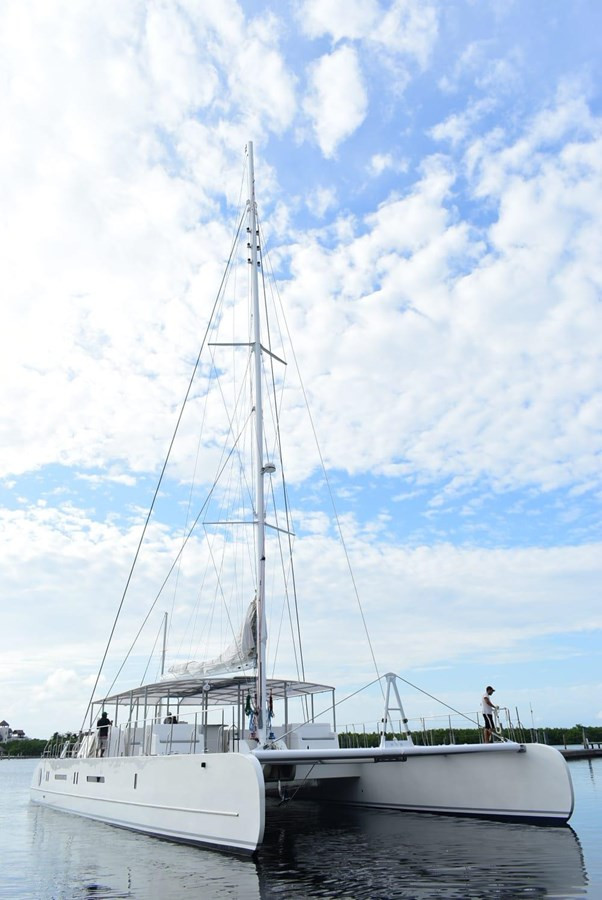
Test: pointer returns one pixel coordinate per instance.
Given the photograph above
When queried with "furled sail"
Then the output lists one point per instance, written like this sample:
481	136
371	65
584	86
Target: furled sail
241	653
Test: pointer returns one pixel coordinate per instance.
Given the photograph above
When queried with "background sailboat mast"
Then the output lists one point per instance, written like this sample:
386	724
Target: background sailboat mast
259	496
164	644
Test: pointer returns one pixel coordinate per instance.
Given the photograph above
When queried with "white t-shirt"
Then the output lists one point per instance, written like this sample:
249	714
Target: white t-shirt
486	707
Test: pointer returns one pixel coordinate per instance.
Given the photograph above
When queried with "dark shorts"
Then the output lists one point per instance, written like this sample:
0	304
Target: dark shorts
489	721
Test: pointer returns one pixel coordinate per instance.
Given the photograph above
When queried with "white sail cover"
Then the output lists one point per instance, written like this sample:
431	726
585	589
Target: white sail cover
240	655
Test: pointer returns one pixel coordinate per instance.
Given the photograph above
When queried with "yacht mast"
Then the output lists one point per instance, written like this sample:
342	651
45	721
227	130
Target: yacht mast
252	245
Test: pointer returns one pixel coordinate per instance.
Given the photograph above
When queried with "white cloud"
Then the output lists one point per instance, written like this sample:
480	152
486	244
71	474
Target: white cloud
271	100
459	126
353	20
113	476
66	683
403	27
110	171
390	40
182	80
409	27
481	344
321	200
337	101
383	162
497	75
380	162
494	160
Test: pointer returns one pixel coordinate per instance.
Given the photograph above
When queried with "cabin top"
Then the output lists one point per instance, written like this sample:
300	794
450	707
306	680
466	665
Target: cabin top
213	691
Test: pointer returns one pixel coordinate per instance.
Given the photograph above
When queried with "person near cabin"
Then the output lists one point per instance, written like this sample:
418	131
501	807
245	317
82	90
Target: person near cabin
103	725
488	708
170	719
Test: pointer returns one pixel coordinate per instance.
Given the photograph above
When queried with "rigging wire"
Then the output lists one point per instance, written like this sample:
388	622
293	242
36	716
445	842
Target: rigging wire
329	488
231	432
278	437
229	499
166	579
442	702
374	681
188	511
332	706
206	629
161	626
160	481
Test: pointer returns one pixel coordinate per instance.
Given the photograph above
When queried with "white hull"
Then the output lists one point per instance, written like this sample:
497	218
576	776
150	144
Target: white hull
498	781
216	800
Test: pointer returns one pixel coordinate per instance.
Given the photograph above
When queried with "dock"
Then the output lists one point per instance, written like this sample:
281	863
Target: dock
582	753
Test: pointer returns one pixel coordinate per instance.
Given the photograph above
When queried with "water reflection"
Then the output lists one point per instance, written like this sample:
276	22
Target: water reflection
311	851
76	858
592	773
338	852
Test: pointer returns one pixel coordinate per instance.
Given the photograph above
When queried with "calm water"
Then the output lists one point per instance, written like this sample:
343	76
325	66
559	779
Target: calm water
308	852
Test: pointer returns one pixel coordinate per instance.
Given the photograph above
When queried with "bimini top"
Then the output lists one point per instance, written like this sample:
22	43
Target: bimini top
213	691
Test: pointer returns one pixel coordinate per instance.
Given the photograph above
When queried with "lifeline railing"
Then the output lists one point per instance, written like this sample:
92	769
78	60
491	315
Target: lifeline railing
135	738
430	730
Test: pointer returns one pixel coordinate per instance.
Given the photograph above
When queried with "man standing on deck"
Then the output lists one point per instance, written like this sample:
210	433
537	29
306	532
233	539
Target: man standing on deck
488	709
103	732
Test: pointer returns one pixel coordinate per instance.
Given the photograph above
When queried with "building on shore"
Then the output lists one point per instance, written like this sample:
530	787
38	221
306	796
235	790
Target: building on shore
10	734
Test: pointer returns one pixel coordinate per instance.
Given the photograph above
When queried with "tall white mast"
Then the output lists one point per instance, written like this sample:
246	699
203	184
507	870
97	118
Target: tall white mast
259	492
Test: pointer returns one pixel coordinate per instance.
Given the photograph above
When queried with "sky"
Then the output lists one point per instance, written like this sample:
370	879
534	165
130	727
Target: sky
429	181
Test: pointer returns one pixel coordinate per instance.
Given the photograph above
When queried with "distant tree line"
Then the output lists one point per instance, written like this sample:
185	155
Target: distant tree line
552	736
23	747
36	746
